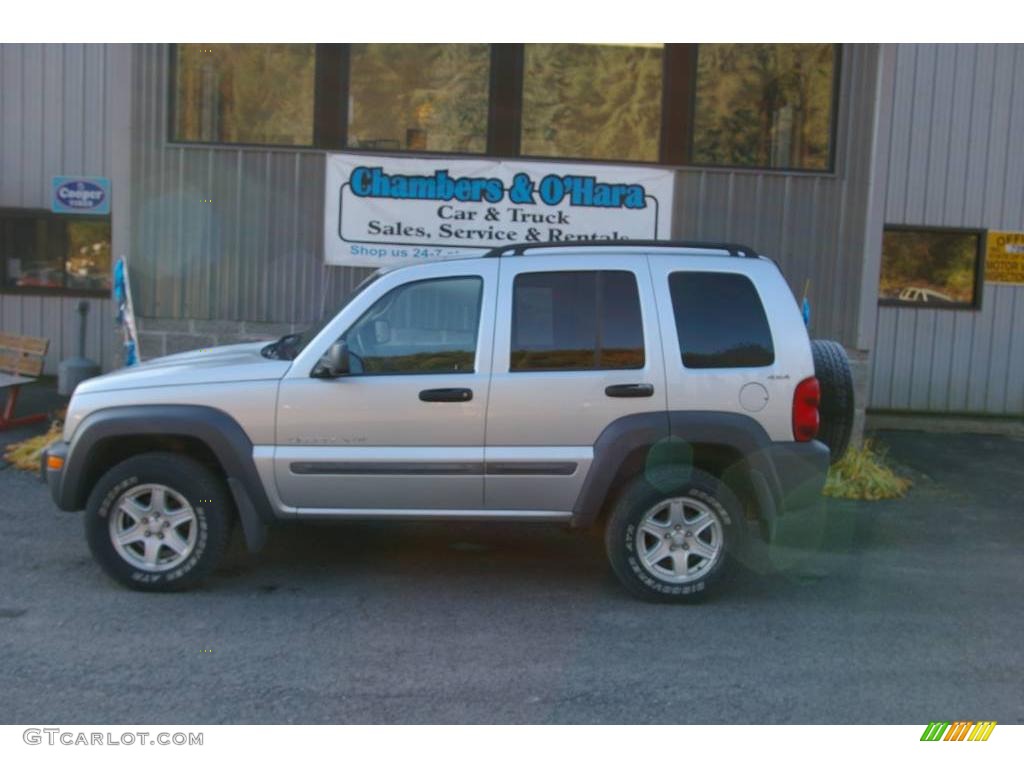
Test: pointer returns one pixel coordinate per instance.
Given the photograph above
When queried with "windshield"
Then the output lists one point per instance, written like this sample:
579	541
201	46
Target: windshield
290	345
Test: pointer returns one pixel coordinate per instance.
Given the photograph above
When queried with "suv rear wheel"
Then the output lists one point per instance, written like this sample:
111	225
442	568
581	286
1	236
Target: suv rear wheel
158	521
672	532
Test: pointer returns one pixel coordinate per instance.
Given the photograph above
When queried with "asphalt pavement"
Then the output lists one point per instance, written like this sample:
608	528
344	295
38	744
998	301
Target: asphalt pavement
890	612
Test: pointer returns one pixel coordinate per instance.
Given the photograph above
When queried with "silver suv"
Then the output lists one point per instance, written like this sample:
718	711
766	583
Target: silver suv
666	391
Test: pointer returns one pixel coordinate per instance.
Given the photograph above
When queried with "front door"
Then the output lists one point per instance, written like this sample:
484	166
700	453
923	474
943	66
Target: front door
404	430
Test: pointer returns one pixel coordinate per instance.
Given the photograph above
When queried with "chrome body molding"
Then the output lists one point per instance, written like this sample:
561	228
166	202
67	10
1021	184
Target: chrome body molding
520	515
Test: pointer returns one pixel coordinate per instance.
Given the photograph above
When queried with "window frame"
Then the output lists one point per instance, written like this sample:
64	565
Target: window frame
480	279
172	107
492	112
833	129
63	291
505	111
979	268
599	321
670	83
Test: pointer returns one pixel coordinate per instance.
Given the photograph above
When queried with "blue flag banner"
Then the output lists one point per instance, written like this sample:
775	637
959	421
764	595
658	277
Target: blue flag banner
126	313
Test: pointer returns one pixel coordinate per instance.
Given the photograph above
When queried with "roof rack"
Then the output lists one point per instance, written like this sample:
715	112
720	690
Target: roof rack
733	249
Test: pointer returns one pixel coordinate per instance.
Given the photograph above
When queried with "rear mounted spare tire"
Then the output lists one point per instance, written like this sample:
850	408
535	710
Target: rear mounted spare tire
832	369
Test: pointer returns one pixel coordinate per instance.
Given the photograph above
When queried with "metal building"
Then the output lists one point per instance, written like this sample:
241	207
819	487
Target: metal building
879	154
950	153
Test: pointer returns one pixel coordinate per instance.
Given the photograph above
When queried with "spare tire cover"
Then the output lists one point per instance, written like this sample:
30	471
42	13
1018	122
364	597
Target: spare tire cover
832	369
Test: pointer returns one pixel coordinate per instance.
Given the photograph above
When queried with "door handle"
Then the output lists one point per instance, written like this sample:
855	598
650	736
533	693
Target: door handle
629	390
446	395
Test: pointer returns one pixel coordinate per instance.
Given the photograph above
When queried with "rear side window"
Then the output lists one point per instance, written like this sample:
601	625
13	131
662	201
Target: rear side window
576	321
720	321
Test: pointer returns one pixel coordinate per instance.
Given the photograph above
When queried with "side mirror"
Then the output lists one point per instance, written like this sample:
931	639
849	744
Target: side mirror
335	363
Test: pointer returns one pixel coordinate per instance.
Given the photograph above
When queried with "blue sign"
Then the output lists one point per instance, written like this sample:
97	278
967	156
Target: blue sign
81	194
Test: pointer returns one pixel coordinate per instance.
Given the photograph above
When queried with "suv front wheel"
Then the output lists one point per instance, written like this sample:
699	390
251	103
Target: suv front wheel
158	521
671	533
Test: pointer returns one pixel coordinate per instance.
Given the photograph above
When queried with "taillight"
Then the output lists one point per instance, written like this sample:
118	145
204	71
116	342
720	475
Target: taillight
806	399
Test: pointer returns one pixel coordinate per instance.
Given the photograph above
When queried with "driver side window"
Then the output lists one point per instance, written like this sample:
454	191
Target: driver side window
429	326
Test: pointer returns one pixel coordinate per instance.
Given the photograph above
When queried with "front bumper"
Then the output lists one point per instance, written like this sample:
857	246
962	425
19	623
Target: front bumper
54	477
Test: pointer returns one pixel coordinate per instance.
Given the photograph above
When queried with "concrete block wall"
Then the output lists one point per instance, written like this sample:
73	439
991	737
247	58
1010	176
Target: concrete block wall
161	336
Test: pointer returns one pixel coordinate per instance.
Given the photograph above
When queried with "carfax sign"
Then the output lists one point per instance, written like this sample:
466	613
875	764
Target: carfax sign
385	211
80	194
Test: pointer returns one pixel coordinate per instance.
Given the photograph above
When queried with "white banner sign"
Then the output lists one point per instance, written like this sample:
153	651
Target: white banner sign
386	211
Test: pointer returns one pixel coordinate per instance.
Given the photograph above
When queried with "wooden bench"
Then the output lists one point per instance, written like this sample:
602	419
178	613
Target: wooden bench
21	362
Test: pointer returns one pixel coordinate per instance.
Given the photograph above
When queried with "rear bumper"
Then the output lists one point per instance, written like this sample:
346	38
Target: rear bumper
54	477
787	479
801	469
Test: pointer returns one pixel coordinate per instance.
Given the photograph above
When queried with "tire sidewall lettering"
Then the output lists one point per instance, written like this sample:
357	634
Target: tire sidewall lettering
656	585
114	494
105	509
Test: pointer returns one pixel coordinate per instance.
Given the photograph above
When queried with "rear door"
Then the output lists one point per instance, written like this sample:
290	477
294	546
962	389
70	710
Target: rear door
575	348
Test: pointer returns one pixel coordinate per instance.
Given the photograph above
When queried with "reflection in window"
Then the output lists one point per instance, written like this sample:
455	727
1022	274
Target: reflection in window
245	93
592	101
764	105
428	97
29	259
429	326
87	265
929	267
720	321
40	250
576	321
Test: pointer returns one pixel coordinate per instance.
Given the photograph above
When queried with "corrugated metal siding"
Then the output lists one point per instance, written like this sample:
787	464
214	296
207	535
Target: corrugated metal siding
54	113
52	118
955	147
811	224
255	253
56	318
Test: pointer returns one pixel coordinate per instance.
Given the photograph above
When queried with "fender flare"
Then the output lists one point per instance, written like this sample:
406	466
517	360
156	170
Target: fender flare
217	430
663	435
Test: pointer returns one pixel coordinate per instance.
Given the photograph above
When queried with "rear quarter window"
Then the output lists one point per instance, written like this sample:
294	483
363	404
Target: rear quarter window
720	321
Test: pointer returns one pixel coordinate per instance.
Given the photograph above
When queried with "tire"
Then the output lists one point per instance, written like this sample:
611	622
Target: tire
650	500
832	369
166	546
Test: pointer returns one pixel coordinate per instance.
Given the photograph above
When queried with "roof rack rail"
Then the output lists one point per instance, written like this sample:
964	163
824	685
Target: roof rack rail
733	249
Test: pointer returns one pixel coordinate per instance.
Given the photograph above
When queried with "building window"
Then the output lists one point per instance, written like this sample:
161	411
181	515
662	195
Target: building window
764	105
743	105
576	321
41	252
720	321
244	94
600	102
431	97
931	267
